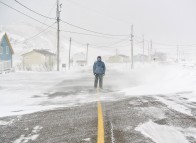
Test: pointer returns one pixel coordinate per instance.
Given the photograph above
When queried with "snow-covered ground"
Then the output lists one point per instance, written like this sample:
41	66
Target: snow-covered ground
173	85
24	92
18	90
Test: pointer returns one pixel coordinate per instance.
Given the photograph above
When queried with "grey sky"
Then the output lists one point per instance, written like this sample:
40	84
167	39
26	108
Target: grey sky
164	21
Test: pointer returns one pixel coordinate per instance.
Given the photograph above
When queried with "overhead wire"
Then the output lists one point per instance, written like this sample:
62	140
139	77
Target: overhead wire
106	34
36	35
34	11
98	12
25	14
80	33
68	23
66	31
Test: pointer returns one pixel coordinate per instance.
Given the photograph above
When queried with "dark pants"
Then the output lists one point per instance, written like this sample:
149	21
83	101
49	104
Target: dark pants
100	78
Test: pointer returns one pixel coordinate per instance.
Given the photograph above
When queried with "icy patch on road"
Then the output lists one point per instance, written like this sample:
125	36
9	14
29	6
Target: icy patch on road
31	137
4	123
161	133
175	106
153	112
189	132
87	140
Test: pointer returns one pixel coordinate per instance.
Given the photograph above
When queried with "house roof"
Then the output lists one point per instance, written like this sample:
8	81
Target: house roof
43	52
124	56
7	39
79	56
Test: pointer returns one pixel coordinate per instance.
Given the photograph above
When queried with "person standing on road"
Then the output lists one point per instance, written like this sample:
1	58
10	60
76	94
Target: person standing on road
99	72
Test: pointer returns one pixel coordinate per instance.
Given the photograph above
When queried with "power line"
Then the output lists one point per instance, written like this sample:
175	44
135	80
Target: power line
80	33
166	44
34	11
111	45
73	32
67	22
88	34
24	14
91	30
36	35
99	12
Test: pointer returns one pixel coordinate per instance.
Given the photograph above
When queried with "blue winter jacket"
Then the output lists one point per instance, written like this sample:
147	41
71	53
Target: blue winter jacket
99	67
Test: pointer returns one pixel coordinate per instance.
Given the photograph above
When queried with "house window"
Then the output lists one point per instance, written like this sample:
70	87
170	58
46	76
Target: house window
7	50
1	49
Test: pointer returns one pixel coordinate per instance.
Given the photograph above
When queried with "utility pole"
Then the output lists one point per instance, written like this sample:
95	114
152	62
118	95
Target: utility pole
132	66
148	52
177	58
58	31
69	52
143	49
151	50
87	53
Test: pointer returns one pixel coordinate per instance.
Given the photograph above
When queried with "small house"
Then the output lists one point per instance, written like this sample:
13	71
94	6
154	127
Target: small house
6	53
118	59
38	60
159	56
140	58
79	59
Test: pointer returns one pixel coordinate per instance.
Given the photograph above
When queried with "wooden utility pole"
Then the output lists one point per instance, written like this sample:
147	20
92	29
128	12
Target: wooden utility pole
69	52
132	64
58	31
151	50
143	50
87	53
177	54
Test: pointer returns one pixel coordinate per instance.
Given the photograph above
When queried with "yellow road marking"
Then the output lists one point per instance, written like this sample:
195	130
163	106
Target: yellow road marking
100	132
100	135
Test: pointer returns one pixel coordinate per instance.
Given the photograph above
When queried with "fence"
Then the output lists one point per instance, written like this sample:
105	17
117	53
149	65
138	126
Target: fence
5	66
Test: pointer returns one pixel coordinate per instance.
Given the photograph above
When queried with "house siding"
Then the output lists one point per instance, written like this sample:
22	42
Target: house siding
33	58
5	56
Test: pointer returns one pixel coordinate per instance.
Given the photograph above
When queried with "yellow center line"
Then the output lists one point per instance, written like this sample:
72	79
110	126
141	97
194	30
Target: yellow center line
100	133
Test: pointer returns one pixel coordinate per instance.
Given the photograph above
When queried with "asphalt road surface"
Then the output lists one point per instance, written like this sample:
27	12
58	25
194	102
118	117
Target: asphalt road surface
79	123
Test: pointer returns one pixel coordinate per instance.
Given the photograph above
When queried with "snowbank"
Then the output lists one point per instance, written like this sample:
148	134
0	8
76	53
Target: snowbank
156	79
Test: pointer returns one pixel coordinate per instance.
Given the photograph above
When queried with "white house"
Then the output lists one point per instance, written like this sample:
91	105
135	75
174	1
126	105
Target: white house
118	58
79	59
38	60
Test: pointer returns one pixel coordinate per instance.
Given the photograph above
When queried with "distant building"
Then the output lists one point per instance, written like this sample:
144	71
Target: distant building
6	52
39	59
140	58
79	59
118	59
158	56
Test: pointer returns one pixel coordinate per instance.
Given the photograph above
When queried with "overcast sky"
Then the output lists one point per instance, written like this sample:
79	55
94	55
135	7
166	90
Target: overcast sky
163	21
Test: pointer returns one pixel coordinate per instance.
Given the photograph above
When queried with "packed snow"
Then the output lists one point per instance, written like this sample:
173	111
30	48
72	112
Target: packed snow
161	133
31	137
